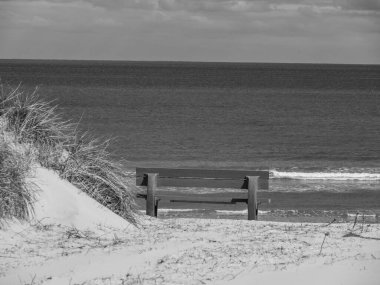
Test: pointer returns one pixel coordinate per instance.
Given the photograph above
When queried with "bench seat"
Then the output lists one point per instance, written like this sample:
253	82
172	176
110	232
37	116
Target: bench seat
152	178
198	198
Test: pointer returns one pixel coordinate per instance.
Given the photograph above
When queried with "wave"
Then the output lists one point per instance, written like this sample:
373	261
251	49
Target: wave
360	216
174	210
239	212
365	176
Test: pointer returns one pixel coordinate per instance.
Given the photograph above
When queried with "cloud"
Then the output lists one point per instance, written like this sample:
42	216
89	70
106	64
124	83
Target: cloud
214	6
56	15
190	29
361	5
278	17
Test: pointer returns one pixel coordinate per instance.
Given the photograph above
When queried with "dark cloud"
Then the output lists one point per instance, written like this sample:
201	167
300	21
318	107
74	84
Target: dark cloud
235	6
361	5
175	5
209	6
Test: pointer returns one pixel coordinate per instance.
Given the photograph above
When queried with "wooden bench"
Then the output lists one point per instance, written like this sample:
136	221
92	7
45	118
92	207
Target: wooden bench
206	178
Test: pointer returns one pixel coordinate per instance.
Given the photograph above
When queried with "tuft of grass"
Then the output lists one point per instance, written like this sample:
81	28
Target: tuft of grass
16	197
33	120
59	145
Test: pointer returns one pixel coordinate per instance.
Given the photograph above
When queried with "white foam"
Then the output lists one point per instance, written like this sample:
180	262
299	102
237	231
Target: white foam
173	210
242	212
178	210
325	175
352	215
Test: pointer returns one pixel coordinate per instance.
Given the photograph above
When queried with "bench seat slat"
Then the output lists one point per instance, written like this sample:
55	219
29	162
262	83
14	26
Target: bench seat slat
202	178
202	173
201	182
200	198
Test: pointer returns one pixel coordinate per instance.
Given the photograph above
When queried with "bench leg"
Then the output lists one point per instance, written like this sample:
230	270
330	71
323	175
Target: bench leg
253	185
156	208
150	195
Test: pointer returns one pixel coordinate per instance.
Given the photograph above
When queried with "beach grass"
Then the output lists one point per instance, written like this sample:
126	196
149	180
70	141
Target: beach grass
29	122
89	166
16	196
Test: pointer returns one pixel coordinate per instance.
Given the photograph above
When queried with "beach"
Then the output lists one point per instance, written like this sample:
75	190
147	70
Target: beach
169	142
318	139
72	239
193	251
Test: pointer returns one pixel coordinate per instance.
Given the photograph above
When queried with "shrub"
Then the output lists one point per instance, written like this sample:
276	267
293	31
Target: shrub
58	145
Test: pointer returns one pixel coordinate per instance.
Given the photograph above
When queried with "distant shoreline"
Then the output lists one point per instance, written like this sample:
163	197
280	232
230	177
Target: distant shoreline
113	61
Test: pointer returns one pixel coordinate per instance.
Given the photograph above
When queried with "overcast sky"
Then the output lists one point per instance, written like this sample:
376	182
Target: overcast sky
328	31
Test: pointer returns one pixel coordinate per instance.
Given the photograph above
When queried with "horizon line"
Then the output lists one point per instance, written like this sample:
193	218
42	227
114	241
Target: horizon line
181	61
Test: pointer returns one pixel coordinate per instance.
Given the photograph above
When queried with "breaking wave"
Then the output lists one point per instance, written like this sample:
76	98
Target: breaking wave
365	176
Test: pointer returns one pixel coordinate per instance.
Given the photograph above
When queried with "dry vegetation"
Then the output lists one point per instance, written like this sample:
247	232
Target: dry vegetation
33	131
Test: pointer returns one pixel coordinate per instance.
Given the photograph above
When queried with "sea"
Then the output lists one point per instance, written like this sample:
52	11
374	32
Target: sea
315	127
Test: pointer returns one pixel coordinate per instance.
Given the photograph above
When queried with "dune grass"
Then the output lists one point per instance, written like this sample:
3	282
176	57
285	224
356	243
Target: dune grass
15	196
89	166
59	145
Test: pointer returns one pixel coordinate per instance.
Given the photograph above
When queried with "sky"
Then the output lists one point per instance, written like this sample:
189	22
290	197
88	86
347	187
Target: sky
314	31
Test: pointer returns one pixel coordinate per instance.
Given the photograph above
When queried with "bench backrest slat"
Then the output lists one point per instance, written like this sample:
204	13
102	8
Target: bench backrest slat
202	177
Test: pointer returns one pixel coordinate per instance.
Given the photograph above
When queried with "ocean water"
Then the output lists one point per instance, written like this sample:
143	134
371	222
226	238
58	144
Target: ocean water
315	127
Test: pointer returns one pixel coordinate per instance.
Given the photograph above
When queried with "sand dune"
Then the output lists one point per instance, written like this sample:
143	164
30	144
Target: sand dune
59	202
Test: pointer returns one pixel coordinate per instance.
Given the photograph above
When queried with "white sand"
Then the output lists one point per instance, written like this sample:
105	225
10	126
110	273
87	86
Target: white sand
59	202
74	240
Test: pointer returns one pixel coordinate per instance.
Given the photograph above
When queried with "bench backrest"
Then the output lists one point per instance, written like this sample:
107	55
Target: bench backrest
207	178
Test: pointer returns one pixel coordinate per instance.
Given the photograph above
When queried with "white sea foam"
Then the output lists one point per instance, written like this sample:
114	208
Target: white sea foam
325	175
173	210
242	212
178	210
360	215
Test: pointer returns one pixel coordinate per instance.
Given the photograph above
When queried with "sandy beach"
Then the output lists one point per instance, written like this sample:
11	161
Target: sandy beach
192	251
74	240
